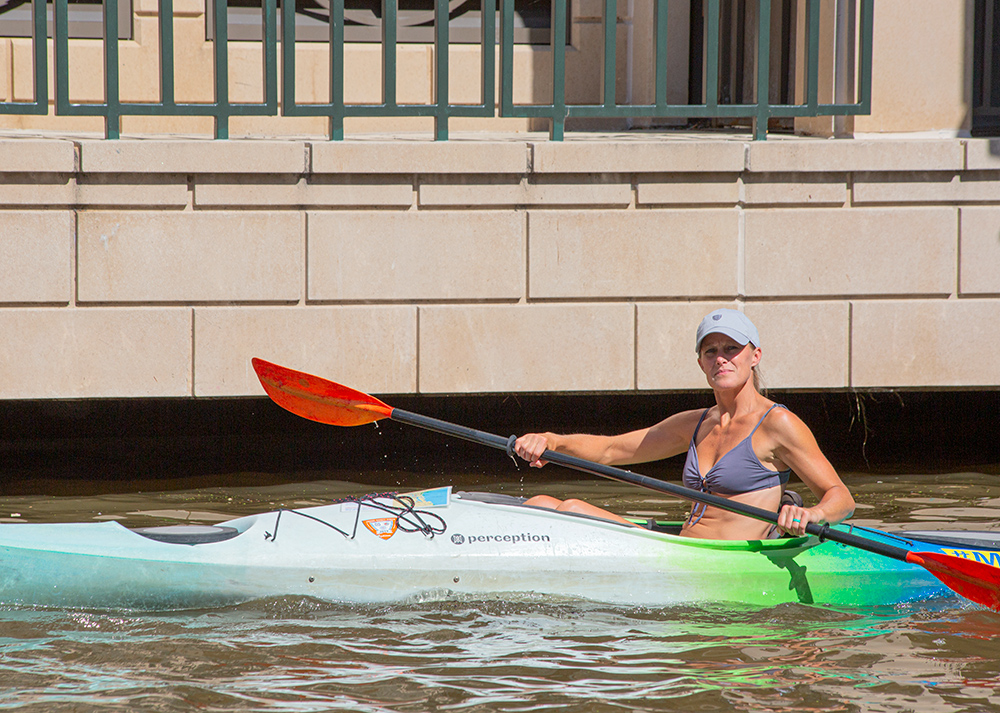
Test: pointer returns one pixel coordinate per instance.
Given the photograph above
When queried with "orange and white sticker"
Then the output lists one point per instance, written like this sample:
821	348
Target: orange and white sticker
384	527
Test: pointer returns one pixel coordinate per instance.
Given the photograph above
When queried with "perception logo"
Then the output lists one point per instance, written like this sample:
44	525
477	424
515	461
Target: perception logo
506	539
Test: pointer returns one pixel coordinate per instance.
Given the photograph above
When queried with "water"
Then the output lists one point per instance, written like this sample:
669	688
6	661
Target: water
502	655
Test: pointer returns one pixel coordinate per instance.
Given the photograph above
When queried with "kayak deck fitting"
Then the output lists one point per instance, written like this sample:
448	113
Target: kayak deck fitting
439	544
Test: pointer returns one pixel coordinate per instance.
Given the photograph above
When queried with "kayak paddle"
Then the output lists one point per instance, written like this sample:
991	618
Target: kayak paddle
318	399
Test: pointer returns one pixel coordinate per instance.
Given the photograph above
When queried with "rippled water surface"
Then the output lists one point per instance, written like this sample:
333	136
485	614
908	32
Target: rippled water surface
503	655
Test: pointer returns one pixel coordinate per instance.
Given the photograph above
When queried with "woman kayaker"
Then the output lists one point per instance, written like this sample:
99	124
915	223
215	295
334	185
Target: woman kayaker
742	448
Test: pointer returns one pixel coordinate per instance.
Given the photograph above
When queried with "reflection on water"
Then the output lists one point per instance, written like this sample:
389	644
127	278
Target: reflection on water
521	655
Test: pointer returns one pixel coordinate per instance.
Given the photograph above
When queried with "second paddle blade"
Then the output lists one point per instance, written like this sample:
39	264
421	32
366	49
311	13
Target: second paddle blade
974	580
318	399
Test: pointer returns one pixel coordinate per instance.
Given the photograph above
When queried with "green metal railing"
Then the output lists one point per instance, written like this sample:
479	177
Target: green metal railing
557	111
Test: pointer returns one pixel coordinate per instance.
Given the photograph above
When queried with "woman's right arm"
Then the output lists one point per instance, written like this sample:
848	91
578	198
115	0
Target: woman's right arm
667	438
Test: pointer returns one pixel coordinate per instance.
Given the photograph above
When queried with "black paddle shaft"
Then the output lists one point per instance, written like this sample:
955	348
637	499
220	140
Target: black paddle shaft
824	532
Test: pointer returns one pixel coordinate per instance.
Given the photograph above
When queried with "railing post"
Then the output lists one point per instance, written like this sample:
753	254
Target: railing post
763	70
441	38
221	55
558	127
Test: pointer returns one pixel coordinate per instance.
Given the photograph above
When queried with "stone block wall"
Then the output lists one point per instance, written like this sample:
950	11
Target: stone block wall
159	268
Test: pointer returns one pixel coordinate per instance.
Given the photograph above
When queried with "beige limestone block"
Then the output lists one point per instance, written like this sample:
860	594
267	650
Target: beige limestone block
665	344
125	156
805	345
372	349
826	252
415	255
290	191
421	157
37	156
539	191
189	257
982	154
143	190
980	251
801	188
688	189
925	343
920	187
37	189
95	353
491	348
647	253
585	156
832	155
36	253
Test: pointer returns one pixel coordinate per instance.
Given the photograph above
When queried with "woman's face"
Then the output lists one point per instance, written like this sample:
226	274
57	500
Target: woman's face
726	363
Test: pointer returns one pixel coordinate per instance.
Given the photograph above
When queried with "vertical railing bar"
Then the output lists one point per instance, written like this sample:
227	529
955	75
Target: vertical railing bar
608	84
812	61
221	41
270	11
60	53
167	91
506	58
389	22
288	56
763	97
336	70
558	126
712	55
39	42
441	93
865	65
489	62
112	118
660	57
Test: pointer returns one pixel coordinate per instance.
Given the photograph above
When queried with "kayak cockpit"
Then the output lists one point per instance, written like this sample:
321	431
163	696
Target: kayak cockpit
188	534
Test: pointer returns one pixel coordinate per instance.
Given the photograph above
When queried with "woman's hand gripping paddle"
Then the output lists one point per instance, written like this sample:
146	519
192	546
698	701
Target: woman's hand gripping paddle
324	401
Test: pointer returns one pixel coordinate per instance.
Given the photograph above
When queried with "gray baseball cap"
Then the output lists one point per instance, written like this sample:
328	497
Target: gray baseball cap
733	324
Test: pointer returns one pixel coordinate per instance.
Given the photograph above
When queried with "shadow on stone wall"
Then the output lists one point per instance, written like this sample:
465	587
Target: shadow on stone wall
66	447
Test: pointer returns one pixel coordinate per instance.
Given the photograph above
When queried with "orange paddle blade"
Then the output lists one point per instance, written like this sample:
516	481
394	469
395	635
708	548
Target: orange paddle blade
976	581
317	399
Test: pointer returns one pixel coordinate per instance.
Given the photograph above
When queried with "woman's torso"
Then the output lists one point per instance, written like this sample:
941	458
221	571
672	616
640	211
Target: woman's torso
736	462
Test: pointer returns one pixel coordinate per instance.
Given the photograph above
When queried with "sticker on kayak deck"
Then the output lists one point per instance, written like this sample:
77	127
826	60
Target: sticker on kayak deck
990	557
433	498
384	527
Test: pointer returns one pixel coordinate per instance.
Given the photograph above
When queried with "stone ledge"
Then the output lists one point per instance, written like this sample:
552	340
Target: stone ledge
37	156
638	157
192	157
419	157
295	191
982	154
615	192
846	155
922	187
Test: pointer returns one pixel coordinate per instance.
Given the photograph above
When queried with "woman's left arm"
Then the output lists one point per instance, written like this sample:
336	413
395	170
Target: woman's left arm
796	447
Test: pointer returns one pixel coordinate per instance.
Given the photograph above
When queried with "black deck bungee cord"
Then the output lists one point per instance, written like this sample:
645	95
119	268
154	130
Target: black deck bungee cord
402	514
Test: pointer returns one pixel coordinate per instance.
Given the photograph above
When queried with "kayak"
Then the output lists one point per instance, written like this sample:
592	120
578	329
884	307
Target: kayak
439	544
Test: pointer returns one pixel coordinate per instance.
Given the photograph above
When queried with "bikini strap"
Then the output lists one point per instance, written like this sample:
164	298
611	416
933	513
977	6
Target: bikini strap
773	406
694	436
